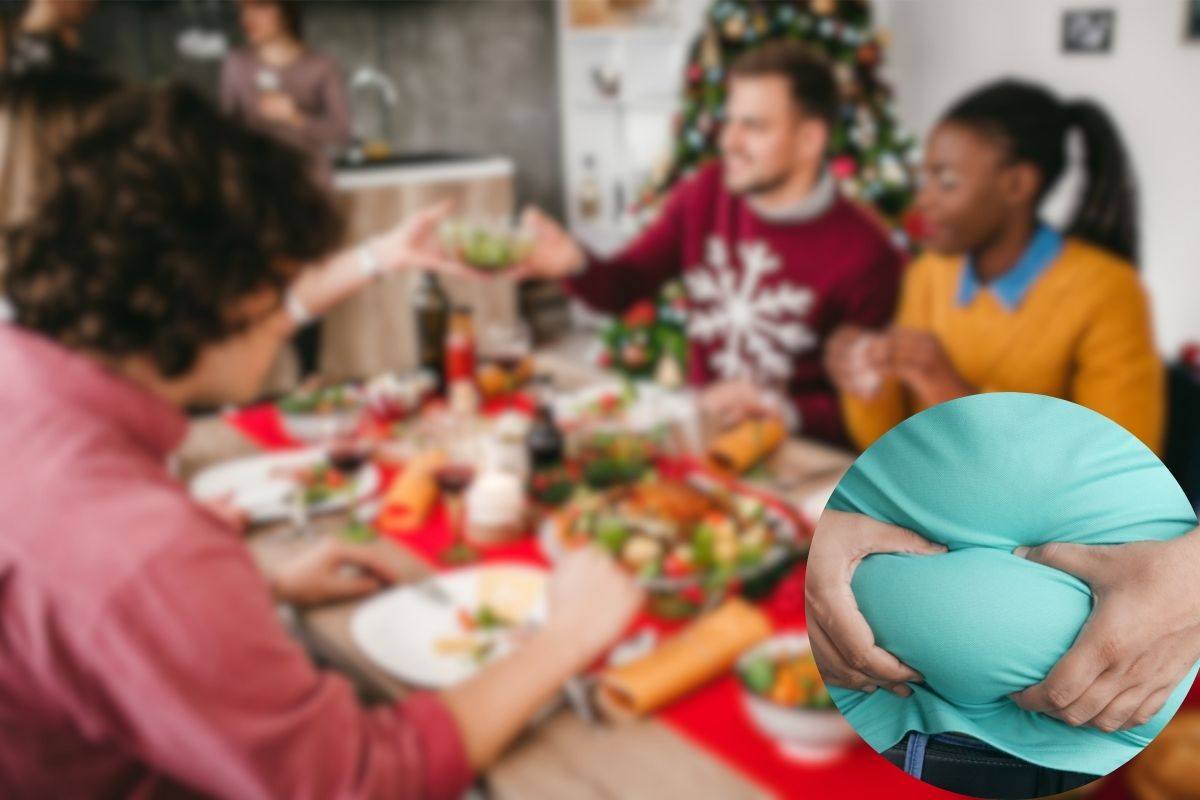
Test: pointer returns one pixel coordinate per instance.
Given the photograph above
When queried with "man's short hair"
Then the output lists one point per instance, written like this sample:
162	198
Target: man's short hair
813	87
163	214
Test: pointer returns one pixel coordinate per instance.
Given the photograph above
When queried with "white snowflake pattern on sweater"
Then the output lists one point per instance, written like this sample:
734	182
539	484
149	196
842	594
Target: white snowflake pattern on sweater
756	329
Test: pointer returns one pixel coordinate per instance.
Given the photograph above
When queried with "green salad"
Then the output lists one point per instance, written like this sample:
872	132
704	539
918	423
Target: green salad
486	248
326	400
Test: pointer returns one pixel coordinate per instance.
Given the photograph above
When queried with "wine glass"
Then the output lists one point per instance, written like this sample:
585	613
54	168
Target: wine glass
453	478
506	346
348	455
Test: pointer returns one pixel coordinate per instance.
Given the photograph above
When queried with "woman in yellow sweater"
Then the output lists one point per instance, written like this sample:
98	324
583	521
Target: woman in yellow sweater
1001	301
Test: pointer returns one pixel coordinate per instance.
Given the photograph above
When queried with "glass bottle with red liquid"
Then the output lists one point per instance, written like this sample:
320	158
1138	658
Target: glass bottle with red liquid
460	364
460	346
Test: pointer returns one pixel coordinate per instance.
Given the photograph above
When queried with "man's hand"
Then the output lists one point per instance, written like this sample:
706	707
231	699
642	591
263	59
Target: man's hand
555	255
918	359
591	602
1141	639
731	401
842	642
856	360
333	570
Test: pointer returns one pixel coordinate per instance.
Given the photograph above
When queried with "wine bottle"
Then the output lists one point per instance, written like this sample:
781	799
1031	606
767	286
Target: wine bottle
431	308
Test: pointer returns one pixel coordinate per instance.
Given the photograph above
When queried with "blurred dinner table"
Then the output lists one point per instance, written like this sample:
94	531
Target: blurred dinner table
561	754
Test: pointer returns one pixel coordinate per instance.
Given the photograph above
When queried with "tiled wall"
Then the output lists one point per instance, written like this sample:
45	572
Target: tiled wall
472	75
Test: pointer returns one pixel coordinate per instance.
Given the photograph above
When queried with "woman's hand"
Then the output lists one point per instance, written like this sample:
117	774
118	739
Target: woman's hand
842	642
555	255
333	570
415	244
591	601
918	359
1141	639
856	360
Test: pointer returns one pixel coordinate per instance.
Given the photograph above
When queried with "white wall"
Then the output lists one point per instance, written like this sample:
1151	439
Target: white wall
1150	82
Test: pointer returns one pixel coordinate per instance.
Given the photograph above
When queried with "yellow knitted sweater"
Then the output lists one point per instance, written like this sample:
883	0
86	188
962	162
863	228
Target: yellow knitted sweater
1082	332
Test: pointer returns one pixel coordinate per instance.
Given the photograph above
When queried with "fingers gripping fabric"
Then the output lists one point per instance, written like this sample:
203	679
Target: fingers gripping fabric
983	475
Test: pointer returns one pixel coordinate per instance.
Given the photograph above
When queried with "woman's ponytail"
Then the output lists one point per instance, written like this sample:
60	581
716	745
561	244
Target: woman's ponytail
1107	211
1033	125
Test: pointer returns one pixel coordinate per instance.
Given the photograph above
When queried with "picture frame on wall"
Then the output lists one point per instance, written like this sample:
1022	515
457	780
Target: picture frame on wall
1091	31
1191	21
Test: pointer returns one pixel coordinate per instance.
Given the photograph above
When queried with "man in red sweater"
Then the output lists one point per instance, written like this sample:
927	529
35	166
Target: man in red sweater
772	257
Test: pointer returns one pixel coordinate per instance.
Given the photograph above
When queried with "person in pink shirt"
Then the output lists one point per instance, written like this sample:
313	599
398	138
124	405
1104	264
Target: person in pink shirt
140	651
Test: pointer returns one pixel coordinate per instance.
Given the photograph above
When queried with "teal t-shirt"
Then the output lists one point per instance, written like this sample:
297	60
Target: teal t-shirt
983	475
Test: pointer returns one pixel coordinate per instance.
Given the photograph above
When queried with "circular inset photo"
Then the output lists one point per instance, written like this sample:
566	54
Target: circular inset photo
1003	593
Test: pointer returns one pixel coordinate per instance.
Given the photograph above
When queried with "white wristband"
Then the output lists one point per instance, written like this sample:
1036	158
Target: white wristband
296	309
368	263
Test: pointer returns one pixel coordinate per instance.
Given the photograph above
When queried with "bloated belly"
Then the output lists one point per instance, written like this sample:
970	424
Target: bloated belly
979	623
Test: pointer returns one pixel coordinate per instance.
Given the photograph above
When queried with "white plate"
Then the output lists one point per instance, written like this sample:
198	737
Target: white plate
259	484
399	629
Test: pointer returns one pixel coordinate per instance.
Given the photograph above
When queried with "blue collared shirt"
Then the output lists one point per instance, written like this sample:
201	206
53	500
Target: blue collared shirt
1011	287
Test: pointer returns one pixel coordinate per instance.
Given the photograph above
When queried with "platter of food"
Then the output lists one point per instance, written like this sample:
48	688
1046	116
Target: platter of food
441	631
675	533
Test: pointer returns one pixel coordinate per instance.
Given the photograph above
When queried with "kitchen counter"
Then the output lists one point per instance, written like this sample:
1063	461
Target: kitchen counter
415	168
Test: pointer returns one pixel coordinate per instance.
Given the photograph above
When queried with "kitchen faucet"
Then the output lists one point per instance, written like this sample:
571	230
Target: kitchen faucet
370	78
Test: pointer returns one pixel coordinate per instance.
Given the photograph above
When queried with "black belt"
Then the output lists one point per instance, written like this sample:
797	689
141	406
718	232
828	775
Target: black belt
959	763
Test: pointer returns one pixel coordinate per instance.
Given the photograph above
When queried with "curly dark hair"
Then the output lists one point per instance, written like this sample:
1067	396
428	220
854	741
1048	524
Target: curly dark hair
163	214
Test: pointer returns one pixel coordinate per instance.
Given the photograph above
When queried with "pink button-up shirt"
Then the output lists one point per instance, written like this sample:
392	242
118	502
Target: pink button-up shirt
140	653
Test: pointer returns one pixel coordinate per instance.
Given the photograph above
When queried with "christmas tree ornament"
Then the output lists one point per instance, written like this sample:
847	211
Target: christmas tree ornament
735	26
843	167
760	23
669	372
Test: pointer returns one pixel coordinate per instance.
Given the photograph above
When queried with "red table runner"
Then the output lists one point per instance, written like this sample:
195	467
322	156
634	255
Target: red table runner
711	716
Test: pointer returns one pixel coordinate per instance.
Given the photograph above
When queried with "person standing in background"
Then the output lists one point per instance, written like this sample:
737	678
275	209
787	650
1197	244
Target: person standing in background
289	91
47	31
47	88
1001	301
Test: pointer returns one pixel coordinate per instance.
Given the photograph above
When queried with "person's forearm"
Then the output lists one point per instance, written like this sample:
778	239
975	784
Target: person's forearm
324	285
495	705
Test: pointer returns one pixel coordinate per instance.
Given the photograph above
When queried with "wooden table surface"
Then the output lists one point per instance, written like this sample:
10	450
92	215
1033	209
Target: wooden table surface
560	756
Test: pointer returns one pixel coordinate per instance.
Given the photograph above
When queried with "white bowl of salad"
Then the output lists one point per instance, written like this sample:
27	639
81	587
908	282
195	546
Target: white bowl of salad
785	698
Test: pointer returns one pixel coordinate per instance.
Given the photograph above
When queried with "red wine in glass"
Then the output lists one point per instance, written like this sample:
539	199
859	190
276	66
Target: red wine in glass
453	479
349	458
509	362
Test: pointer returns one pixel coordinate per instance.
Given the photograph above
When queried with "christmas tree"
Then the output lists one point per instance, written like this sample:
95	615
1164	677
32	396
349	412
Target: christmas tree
870	152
